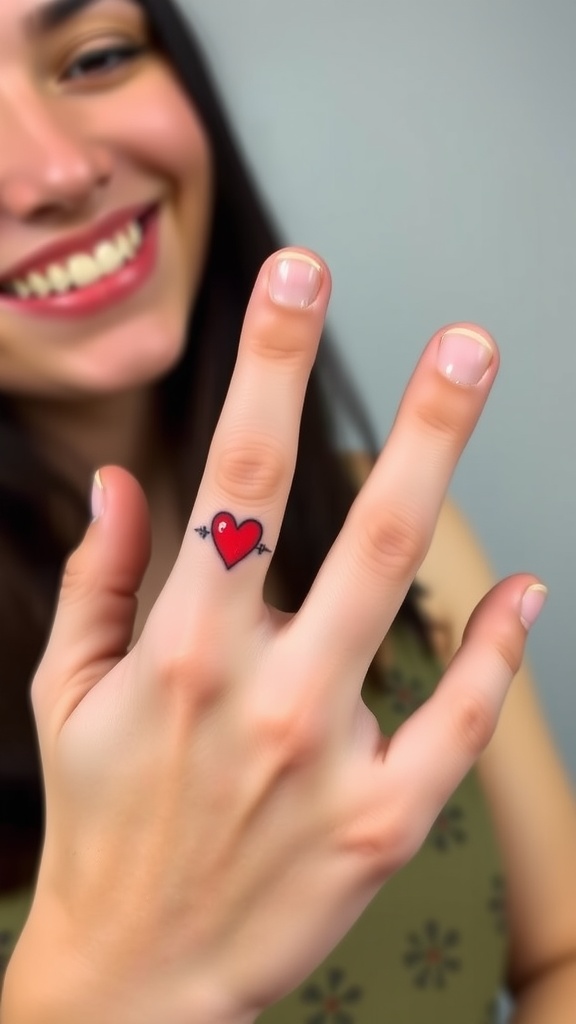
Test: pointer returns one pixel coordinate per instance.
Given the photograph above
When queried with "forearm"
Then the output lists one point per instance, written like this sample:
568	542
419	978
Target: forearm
550	999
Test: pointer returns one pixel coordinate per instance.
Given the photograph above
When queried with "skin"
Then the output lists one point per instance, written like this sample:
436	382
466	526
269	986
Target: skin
310	797
56	177
526	786
79	155
529	795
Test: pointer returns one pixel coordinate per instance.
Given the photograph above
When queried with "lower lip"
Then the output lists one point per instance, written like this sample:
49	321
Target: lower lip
98	297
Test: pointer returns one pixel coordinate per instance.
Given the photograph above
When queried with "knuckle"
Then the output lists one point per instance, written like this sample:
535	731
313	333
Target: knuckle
384	841
475	723
400	846
252	469
440	421
75	583
292	737
290	347
509	653
369	845
191	678
393	544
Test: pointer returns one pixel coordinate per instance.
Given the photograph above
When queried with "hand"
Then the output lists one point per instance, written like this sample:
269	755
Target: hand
221	805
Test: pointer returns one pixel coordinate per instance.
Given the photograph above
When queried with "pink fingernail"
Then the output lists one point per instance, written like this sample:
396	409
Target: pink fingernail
532	604
295	281
464	356
97	497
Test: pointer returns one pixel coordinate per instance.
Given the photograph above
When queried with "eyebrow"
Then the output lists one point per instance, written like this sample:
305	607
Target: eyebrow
51	15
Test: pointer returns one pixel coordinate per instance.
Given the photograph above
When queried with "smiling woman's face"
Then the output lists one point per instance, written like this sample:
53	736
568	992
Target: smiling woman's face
105	200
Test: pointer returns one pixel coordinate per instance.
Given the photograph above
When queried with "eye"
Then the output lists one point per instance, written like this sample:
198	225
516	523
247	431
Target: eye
102	61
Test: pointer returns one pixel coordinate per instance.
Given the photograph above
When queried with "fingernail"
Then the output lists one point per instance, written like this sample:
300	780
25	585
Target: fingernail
97	497
532	604
295	281
464	356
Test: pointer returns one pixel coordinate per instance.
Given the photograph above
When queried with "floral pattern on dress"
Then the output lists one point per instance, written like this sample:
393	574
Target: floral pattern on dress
431	955
497	904
448	831
406	693
333	1001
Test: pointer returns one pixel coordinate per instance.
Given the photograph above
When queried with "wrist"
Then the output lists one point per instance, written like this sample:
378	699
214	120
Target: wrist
28	1000
48	982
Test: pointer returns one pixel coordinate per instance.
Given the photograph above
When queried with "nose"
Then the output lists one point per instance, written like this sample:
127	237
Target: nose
47	167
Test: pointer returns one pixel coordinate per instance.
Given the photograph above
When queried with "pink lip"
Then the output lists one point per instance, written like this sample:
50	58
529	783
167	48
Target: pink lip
96	297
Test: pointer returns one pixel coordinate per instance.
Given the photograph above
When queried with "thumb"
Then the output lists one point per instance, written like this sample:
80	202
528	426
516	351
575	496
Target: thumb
97	605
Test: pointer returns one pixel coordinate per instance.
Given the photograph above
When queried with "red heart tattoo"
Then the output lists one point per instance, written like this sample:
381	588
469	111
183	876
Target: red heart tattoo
233	542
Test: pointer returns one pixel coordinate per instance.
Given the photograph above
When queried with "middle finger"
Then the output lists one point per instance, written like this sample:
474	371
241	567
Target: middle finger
241	501
373	562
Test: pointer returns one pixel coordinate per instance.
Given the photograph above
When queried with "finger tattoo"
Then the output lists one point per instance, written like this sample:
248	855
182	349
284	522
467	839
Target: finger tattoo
234	541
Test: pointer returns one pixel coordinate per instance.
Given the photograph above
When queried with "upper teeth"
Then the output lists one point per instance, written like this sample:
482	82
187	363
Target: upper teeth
82	269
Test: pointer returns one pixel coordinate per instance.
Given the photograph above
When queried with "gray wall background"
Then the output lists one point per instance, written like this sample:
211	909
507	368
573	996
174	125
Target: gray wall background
428	151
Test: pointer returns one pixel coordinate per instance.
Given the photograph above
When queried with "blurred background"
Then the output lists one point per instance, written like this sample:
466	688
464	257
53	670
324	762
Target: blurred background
428	152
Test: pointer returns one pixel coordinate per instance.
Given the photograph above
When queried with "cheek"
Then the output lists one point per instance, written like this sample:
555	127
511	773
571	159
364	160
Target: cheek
167	136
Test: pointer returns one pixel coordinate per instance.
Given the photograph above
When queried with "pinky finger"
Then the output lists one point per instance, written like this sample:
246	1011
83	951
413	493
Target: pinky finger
432	752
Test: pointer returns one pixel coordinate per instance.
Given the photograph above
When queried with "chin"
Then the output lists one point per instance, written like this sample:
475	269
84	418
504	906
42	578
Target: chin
134	357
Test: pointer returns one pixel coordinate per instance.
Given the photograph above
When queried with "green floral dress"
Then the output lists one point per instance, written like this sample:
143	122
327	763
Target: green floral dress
431	948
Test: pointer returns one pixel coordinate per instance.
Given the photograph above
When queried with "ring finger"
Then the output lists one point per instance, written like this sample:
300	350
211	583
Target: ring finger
375	558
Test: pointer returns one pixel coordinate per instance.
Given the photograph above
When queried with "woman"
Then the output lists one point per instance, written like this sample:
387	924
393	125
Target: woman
131	240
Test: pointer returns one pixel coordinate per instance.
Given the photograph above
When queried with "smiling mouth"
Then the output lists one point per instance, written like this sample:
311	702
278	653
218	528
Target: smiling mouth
81	269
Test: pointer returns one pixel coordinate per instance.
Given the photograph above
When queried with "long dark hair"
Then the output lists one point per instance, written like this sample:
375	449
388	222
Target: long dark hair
42	519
